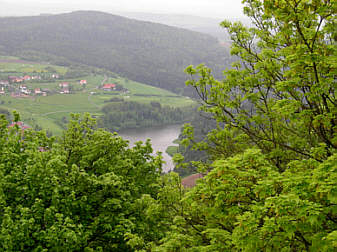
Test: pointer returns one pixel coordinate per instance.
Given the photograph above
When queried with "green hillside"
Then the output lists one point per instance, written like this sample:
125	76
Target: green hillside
51	112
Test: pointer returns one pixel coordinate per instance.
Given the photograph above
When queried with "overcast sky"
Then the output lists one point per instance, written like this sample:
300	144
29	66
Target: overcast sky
207	8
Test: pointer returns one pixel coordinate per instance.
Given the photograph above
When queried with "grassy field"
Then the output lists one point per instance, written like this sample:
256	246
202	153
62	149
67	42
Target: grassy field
15	65
171	150
48	112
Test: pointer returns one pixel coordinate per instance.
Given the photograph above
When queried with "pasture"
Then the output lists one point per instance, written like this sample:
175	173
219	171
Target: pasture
51	111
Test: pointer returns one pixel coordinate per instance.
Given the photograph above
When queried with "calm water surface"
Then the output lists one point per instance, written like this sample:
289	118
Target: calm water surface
161	137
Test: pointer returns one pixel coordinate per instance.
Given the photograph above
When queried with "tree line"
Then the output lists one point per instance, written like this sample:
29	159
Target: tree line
125	114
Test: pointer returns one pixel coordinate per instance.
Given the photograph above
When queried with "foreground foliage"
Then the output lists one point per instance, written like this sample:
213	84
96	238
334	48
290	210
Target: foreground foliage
79	193
272	183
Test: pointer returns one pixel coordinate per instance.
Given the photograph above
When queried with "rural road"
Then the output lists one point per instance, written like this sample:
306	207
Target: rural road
54	112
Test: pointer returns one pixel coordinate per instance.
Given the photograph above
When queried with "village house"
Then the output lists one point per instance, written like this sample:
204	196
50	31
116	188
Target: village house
20	124
2	90
55	76
15	79
109	87
37	91
83	82
65	91
4	82
26	78
24	90
36	77
64	85
12	78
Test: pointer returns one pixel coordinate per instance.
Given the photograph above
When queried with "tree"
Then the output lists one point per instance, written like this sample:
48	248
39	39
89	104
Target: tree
277	190
281	93
78	193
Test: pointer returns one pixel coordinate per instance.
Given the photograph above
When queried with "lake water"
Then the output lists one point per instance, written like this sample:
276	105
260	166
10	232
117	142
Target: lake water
161	137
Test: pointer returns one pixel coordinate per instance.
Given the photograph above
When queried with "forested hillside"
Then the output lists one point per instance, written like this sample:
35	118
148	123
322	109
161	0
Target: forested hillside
146	52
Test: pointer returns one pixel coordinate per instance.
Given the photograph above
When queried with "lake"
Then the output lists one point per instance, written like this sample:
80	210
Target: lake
161	137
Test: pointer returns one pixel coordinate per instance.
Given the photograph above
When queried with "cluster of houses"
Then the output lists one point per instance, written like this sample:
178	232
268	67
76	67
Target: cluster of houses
23	91
20	124
65	86
20	79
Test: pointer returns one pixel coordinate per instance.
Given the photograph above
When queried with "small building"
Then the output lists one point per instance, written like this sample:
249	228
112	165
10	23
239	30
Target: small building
109	87
20	124
55	76
83	82
36	77
191	181
26	78
15	79
37	91
24	90
12	78
19	80
4	82
64	85
65	91
2	90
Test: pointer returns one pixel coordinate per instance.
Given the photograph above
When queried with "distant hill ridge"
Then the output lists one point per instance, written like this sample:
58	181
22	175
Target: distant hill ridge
205	25
142	51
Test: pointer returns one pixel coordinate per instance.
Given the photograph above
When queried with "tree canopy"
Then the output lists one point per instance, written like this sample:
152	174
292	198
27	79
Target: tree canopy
119	115
80	193
271	185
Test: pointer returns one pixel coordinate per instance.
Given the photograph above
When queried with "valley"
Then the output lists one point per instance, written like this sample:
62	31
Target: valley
45	94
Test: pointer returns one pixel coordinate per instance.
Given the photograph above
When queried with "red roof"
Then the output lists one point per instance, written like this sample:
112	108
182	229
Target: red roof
109	86
20	124
64	84
191	181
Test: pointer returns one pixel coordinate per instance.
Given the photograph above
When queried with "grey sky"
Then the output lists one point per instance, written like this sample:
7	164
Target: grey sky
208	8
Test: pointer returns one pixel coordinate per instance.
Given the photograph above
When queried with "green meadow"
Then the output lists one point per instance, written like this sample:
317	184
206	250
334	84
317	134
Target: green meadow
15	65
49	111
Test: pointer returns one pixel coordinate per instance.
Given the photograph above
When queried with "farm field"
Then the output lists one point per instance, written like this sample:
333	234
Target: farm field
51	111
14	64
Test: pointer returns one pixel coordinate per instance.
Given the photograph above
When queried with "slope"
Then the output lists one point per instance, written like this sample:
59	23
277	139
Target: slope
142	51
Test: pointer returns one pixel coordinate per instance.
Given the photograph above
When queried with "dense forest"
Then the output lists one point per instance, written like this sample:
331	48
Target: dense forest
195	143
146	52
270	179
123	115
